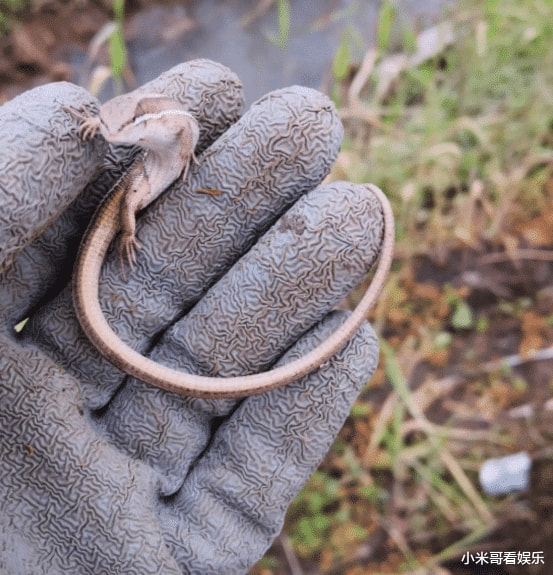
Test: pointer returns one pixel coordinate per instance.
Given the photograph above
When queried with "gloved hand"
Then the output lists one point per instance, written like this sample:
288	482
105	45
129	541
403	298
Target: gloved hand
101	473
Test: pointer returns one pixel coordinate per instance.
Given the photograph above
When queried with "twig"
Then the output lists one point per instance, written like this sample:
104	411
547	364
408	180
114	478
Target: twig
515	360
429	43
520	254
455	550
358	111
384	416
292	560
456	470
459	434
363	74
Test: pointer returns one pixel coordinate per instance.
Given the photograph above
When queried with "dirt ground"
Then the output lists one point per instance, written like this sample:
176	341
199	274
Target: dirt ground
524	416
36	50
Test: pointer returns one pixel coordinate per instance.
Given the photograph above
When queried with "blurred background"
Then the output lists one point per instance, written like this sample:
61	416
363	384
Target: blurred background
448	107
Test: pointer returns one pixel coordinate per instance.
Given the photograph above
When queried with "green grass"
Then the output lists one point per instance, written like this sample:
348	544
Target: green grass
117	46
479	113
10	11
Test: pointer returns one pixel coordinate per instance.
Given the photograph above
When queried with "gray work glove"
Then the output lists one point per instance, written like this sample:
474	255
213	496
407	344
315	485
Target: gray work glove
103	474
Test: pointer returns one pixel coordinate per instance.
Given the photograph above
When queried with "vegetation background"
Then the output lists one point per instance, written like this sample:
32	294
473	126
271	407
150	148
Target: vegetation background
462	144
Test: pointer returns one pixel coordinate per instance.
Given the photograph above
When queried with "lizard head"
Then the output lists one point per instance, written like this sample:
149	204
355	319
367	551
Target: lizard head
152	121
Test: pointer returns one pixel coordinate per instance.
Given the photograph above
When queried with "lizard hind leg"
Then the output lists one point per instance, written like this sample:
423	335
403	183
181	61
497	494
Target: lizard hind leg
132	201
128	246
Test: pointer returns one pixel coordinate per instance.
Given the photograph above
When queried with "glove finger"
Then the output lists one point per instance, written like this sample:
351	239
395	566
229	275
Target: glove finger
261	457
211	91
303	266
276	152
299	270
41	169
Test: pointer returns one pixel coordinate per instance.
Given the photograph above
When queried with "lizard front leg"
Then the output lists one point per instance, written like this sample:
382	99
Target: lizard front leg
89	125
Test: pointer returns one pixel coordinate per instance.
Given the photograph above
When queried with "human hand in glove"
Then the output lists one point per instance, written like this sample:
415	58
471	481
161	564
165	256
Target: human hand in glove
101	473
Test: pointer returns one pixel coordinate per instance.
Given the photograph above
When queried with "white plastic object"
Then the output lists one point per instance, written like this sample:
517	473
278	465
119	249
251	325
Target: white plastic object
503	475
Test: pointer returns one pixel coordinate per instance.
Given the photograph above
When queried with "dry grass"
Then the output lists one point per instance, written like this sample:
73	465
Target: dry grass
462	142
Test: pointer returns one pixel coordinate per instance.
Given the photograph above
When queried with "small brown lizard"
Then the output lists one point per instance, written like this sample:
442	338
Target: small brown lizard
168	134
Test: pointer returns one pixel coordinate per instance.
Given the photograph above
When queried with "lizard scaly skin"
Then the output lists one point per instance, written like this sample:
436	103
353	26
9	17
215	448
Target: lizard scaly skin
169	134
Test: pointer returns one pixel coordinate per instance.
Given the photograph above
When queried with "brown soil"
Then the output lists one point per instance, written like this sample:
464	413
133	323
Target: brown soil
38	48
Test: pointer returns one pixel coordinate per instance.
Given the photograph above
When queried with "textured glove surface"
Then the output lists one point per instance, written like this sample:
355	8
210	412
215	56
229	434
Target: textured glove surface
100	473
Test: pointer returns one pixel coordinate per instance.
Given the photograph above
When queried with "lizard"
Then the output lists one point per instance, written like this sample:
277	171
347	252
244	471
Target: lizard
168	133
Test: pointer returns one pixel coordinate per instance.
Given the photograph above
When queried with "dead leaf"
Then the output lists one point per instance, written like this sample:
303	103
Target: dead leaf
539	231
